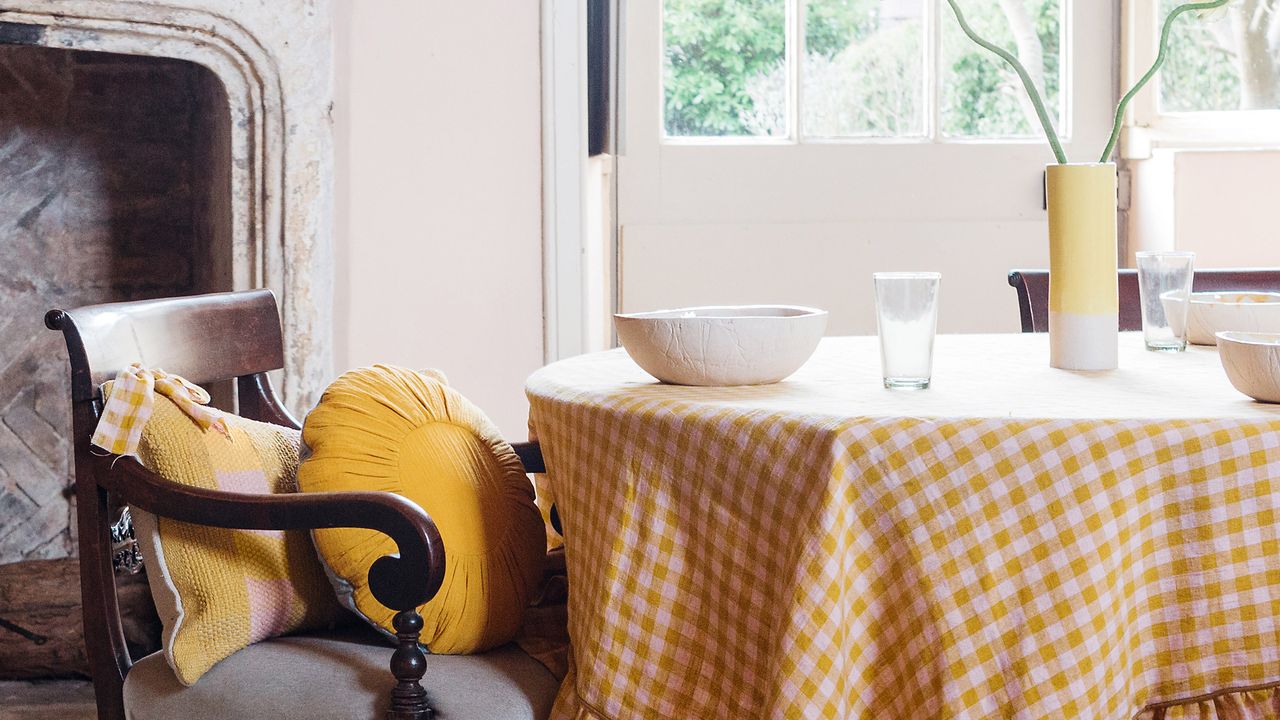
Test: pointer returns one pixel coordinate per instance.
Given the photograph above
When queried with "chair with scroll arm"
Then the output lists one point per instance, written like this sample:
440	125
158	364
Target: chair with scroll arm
1032	287
220	337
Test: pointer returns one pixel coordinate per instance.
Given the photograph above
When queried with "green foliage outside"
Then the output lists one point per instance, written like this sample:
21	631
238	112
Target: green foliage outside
863	71
726	75
1193	79
713	48
981	96
1201	71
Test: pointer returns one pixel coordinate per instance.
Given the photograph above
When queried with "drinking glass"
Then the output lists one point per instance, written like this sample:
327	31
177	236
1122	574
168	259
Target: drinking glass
1164	285
907	319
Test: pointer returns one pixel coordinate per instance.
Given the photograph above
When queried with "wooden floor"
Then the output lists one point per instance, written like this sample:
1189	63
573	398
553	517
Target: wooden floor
47	700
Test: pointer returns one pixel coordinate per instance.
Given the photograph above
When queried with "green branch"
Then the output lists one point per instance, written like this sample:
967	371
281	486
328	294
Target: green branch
1032	91
1164	48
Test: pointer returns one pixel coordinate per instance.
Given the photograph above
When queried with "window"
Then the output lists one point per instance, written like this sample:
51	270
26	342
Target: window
824	70
1220	85
1227	61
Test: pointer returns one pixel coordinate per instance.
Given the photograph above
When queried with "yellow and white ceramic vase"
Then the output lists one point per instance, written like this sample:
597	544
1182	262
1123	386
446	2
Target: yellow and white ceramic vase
1084	303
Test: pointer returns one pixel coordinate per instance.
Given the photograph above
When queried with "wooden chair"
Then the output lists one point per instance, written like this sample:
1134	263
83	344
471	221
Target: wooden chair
341	674
1032	287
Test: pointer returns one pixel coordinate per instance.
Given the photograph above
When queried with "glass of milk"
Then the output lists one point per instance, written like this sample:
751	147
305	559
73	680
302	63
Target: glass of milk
907	318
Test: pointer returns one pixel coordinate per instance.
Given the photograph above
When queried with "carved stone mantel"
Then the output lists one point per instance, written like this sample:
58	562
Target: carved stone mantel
274	58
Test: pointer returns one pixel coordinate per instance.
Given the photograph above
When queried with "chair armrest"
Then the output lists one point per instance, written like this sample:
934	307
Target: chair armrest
397	581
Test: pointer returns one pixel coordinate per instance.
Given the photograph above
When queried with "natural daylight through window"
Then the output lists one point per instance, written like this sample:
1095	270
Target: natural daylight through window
823	70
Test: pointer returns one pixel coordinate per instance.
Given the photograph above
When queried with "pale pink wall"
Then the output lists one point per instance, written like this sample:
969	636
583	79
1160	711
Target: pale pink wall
438	160
1218	203
1225	207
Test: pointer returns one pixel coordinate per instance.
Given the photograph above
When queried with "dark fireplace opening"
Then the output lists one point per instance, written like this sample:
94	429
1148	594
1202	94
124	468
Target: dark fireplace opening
115	184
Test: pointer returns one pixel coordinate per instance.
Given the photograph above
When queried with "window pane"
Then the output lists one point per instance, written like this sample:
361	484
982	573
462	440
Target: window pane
1228	60
863	68
725	71
981	95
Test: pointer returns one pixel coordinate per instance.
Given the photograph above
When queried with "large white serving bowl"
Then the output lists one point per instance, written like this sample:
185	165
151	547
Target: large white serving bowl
1242	311
1252	362
725	345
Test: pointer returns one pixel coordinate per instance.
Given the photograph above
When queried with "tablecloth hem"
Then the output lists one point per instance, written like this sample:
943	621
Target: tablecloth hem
1253	702
569	704
1236	703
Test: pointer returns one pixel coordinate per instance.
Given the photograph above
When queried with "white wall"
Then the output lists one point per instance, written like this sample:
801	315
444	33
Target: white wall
438	160
1218	203
1225	207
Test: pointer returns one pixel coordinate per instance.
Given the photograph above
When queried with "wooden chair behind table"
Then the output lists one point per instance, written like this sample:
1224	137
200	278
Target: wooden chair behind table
237	336
1032	287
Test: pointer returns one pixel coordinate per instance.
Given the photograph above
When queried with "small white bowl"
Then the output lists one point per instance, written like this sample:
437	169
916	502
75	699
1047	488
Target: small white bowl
1252	362
1241	311
718	346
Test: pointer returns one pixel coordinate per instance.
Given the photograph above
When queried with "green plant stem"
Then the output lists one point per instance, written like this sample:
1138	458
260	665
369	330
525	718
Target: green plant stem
1155	67
1032	91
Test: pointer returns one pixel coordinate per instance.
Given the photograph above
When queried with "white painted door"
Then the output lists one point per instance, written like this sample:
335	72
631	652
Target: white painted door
869	154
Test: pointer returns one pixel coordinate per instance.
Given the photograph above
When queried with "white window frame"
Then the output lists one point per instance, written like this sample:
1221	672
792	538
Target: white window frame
936	12
1146	128
578	247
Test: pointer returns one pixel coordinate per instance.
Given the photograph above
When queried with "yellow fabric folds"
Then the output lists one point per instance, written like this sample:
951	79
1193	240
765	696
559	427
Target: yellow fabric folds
1021	543
396	430
219	590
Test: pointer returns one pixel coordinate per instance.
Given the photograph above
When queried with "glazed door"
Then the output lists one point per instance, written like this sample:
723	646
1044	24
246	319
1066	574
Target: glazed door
780	151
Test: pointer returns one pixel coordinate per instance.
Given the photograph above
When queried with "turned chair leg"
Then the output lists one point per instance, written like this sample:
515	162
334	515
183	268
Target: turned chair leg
408	665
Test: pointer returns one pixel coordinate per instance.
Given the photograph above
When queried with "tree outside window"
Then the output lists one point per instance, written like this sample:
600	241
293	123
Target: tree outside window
1228	63
863	68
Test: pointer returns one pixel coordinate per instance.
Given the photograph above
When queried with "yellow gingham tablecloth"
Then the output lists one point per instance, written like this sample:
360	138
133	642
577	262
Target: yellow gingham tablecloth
1016	542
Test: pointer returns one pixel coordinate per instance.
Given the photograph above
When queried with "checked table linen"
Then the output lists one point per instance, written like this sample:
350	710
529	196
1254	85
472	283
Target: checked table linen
1016	542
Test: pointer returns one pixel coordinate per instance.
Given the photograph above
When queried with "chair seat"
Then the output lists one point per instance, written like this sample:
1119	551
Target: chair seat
341	675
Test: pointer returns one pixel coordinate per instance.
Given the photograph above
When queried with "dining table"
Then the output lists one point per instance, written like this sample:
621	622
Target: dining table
1015	541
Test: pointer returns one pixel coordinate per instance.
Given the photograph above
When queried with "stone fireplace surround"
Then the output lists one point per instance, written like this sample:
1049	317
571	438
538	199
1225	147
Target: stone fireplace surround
147	148
274	61
257	172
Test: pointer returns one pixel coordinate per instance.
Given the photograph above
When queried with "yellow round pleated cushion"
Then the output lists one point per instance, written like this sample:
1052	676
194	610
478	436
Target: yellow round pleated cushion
400	431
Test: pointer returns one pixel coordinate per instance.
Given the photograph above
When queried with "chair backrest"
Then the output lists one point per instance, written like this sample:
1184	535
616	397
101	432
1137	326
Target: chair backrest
204	338
1032	287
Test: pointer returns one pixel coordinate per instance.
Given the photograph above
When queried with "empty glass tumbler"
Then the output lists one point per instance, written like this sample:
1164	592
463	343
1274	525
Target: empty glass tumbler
1164	284
907	318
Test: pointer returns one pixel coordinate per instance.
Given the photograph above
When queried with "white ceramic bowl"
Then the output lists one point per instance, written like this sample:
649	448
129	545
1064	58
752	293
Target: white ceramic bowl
738	345
1252	362
1242	311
